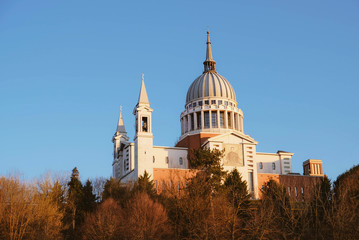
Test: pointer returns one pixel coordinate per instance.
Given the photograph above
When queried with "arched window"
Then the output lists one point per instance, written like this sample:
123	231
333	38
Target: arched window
144	124
273	166
260	165
181	161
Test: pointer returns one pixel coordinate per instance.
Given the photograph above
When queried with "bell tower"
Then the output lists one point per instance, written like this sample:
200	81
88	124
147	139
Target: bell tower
143	133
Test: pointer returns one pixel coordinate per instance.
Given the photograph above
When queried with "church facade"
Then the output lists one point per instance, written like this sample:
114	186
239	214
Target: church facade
212	119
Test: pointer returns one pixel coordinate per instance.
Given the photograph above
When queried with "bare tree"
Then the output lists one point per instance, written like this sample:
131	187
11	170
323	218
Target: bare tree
146	219
106	223
27	213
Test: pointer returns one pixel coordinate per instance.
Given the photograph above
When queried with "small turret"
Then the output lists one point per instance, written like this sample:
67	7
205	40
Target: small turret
120	141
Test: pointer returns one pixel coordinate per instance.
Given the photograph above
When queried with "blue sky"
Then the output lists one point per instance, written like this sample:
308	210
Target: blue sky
66	67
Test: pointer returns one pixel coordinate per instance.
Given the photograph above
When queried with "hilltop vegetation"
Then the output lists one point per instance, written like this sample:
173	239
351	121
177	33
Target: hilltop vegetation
213	205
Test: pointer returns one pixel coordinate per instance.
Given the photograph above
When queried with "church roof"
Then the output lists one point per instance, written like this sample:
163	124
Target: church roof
210	84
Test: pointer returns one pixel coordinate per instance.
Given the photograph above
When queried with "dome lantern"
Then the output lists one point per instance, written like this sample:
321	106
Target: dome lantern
209	63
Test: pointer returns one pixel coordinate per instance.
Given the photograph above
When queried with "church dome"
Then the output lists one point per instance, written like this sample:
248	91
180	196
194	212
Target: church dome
210	85
211	104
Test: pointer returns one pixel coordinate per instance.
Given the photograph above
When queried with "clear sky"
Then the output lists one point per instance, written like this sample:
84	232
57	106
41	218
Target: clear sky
66	67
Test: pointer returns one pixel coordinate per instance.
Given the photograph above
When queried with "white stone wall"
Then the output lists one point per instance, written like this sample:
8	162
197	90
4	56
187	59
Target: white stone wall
248	157
282	161
143	155
174	154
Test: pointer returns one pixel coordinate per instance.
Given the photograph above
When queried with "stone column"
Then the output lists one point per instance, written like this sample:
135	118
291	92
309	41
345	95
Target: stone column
241	126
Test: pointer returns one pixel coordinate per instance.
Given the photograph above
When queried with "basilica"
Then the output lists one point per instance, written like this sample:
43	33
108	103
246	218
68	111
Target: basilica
211	118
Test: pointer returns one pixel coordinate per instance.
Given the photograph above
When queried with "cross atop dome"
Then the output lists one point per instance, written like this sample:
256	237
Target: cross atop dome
209	63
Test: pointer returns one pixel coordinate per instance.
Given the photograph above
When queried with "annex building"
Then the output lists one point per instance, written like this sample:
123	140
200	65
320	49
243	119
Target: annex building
211	118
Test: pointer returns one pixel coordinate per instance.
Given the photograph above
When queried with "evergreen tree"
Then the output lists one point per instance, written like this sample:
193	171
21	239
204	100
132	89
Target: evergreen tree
144	184
236	190
89	198
74	208
209	162
113	189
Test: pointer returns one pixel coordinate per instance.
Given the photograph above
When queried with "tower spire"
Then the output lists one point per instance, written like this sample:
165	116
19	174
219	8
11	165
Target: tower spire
120	125
209	63
143	98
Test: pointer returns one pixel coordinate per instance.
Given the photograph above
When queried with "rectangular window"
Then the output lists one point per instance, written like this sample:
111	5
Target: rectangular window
194	104
225	103
192	122
219	102
251	181
200	103
206	119
229	120
206	102
199	120
289	191
221	119
144	124
286	162
213	101
302	194
214	119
